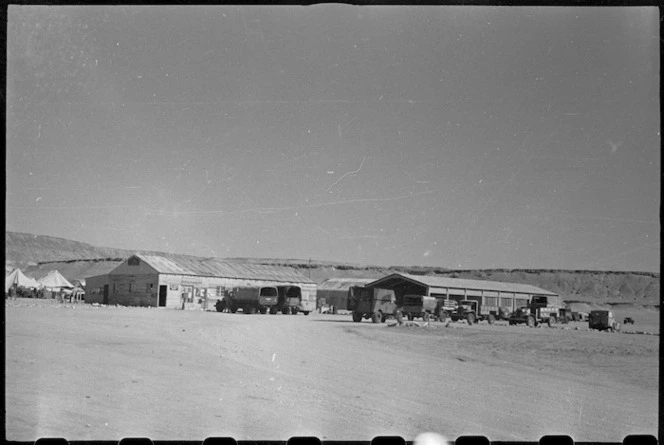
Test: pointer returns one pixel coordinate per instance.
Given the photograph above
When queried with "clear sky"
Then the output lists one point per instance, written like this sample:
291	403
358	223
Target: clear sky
460	137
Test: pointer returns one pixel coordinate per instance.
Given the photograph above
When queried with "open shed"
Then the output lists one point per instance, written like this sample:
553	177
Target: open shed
492	293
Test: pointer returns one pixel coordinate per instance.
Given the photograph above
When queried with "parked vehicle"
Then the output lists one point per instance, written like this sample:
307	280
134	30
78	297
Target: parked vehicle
289	301
489	306
542	309
250	299
472	310
603	321
418	306
371	303
628	320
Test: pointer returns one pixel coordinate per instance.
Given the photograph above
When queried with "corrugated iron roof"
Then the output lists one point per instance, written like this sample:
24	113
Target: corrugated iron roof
343	283
462	283
217	268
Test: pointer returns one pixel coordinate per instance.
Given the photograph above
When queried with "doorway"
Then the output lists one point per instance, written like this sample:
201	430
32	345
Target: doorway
105	300
163	291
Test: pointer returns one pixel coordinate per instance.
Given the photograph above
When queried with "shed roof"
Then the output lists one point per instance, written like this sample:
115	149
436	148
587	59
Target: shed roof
218	268
343	283
462	283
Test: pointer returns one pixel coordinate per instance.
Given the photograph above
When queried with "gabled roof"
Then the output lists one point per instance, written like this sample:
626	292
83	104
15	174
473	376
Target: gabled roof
218	268
16	277
55	279
343	283
462	283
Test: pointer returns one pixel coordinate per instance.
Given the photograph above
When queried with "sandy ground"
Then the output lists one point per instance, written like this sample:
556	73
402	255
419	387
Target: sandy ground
104	373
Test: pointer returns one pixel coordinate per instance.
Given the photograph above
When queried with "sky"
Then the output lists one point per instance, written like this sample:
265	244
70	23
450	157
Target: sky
447	136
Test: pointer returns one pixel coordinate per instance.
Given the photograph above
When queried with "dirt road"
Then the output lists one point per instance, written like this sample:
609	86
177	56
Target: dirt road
88	373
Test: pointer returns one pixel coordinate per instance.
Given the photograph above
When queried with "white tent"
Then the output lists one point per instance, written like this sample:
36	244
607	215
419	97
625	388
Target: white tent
55	281
18	278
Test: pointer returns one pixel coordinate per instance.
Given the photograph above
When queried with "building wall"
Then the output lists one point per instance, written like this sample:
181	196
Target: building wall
139	284
94	288
134	289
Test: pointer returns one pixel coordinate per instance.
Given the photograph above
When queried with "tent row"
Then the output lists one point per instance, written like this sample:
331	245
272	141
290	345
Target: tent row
49	286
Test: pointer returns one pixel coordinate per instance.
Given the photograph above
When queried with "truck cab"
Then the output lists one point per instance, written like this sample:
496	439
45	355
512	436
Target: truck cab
373	303
466	310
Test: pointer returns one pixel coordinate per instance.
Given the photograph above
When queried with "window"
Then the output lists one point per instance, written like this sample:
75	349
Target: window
133	261
506	302
131	287
268	292
520	302
491	301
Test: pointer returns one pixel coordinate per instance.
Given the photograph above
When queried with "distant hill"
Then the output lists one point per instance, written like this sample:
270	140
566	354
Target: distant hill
38	254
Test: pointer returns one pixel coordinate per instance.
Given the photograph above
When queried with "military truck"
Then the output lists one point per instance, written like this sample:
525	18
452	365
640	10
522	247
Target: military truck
471	310
290	301
418	306
602	321
371	303
541	309
250	299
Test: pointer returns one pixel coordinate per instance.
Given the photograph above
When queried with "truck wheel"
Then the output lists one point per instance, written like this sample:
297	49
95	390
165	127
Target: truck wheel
375	317
357	317
285	310
530	321
233	309
383	317
294	310
470	318
551	321
305	312
273	310
491	319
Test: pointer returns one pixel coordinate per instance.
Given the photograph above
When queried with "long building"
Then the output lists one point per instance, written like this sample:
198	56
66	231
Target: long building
491	294
146	280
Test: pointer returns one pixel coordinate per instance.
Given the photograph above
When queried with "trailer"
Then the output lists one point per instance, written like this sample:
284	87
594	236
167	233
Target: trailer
602	320
250	299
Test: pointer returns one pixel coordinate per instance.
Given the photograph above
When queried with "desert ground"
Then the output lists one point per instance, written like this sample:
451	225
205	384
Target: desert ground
105	373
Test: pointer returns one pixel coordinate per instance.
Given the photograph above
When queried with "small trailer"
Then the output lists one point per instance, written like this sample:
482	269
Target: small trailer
603	321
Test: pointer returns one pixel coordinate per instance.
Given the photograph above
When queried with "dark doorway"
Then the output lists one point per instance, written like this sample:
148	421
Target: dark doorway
163	290
105	300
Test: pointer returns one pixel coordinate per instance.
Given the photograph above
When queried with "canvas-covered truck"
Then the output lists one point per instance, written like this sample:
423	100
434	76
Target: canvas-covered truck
603	321
541	309
250	299
290	301
371	303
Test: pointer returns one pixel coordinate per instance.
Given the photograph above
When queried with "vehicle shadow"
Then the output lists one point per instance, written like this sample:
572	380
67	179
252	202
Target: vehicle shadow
333	321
